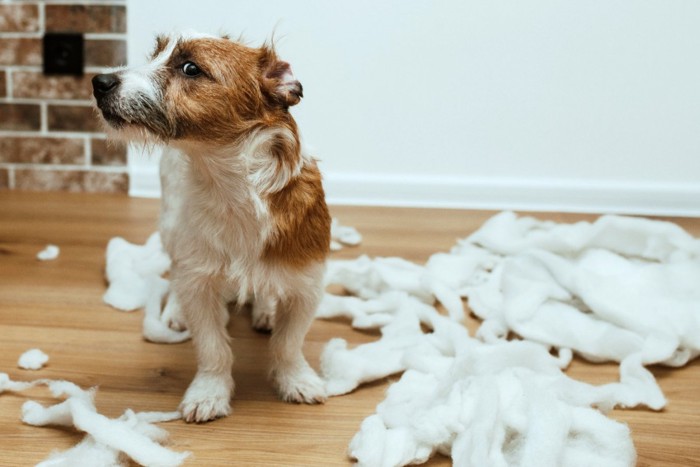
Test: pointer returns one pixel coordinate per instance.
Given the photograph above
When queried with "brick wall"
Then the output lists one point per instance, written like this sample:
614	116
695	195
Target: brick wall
50	136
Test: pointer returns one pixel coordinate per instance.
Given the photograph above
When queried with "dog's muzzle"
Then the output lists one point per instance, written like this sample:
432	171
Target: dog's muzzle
103	88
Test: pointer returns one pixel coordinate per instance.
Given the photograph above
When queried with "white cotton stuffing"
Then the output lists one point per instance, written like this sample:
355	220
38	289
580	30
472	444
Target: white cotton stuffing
343	235
134	276
33	359
108	442
49	253
620	289
457	389
130	270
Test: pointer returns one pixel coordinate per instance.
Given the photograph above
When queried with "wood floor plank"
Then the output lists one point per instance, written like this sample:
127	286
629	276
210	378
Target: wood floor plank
57	306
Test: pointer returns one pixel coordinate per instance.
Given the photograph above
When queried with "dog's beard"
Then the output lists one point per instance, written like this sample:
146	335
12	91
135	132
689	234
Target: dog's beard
136	119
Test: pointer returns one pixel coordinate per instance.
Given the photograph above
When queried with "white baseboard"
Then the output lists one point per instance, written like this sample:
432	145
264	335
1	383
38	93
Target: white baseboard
591	196
144	181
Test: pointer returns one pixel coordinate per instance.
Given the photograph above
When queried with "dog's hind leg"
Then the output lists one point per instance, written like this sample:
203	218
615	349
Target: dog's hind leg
295	380
208	396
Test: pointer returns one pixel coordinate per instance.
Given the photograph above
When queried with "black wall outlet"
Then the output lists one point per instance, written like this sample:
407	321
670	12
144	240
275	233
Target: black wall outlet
64	54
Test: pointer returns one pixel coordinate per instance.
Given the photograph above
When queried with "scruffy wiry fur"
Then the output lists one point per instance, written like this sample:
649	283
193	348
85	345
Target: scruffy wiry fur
243	211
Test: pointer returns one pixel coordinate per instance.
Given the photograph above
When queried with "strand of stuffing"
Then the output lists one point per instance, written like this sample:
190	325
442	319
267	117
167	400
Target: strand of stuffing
108	442
619	289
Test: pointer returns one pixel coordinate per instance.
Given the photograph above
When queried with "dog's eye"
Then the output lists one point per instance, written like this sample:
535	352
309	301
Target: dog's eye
190	69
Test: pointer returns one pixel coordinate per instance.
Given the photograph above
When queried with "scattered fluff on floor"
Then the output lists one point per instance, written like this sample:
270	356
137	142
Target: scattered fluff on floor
134	275
108	442
49	253
621	289
33	359
343	235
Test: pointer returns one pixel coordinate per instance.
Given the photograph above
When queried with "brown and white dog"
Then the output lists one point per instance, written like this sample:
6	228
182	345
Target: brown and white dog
243	210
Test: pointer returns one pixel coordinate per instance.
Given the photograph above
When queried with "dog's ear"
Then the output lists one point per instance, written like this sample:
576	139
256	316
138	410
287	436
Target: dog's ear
278	82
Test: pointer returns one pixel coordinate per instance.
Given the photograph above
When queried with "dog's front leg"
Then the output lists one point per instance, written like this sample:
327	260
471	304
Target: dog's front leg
295	380
209	395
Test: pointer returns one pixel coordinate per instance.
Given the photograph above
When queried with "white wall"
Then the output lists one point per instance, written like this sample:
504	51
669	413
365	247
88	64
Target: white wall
591	105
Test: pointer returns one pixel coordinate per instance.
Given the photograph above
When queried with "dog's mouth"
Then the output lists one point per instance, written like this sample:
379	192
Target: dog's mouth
112	118
137	113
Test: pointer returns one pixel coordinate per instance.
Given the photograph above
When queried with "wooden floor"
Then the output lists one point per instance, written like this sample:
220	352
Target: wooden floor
57	306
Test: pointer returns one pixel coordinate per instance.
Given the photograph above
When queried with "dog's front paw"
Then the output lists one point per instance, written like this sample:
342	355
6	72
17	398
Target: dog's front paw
207	398
301	386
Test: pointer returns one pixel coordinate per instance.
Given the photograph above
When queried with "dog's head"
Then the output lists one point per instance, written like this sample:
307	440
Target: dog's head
198	88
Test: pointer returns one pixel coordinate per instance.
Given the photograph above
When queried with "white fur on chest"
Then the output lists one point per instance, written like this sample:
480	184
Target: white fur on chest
214	221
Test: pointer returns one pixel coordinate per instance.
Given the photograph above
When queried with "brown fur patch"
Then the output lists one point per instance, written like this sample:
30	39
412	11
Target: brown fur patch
161	44
302	220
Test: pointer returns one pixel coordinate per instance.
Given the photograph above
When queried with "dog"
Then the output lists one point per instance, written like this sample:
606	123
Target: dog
243	213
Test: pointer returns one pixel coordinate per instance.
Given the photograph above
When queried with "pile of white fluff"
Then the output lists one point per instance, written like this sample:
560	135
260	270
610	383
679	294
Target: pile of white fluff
620	289
108	442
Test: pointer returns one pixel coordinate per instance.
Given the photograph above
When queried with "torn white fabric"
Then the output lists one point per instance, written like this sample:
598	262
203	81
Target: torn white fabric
33	359
343	235
108	442
620	289
49	253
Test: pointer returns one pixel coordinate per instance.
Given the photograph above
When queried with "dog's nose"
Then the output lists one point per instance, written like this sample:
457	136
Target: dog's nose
104	83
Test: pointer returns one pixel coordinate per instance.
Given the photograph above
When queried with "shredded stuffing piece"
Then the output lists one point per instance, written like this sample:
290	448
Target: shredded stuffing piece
49	253
108	442
343	235
134	275
33	359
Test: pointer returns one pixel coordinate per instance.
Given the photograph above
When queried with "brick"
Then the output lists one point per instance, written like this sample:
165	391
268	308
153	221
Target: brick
4	178
108	152
73	118
82	181
37	150
19	18
85	18
20	51
3	84
34	84
104	182
20	117
107	53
